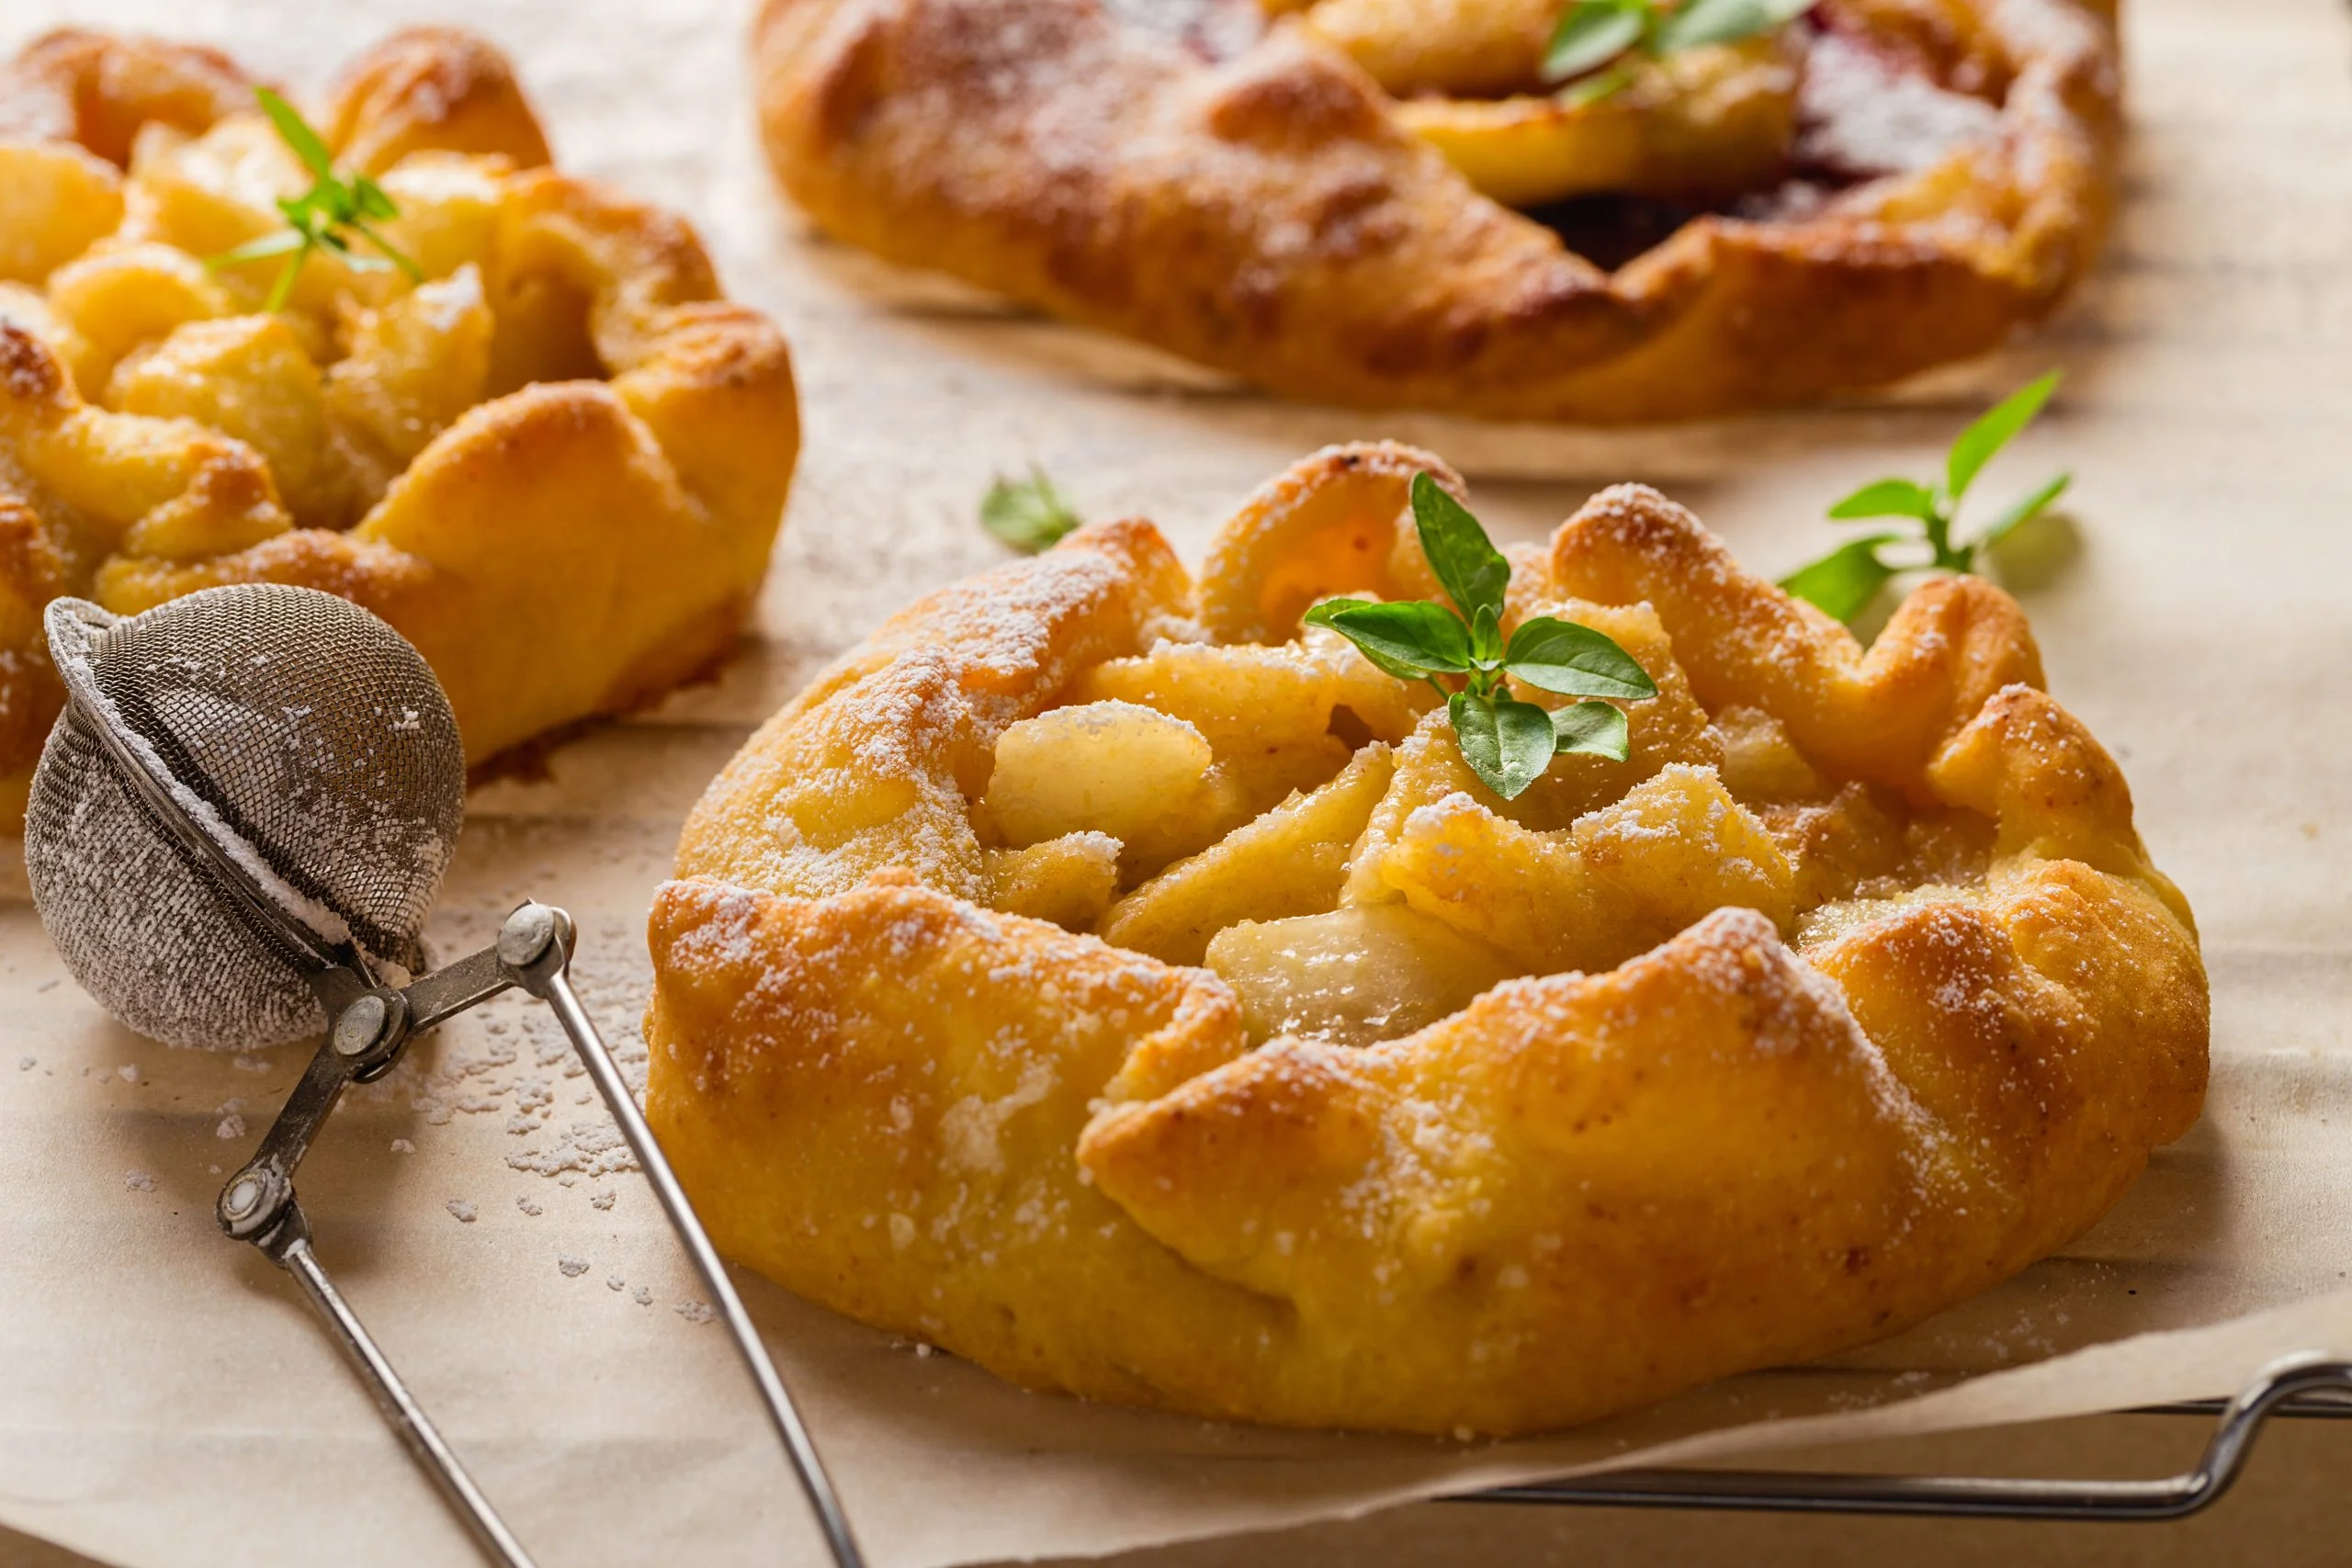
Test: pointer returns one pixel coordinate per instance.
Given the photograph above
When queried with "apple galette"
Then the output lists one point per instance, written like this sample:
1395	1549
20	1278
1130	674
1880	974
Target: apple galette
397	357
1388	203
1107	976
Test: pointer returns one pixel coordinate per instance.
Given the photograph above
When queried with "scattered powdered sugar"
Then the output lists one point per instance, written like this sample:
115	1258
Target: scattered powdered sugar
403	1146
969	1129
642	1296
27	1064
592	1148
532	1097
615	1282
604	1200
1864	117
465	1212
696	1312
570	1267
510	1058
139	1181
530	1207
129	1074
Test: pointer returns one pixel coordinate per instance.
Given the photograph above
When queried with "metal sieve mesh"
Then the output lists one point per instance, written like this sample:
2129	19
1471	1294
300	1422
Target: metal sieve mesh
305	738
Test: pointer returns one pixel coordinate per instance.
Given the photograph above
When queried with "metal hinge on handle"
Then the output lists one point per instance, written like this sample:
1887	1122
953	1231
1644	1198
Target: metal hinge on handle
2300	1387
372	1024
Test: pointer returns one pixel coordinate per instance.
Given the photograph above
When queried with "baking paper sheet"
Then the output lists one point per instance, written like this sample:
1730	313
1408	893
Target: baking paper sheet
165	1402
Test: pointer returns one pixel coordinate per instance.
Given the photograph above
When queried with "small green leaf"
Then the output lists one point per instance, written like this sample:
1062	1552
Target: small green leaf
1703	22
1975	446
298	135
1472	572
275	244
1028	514
1596	730
1887	498
1486	638
1591	33
1595	87
2023	509
316	219
1412	634
1844	581
1323	612
368	200
281	288
1508	743
1575	660
1327	613
415	274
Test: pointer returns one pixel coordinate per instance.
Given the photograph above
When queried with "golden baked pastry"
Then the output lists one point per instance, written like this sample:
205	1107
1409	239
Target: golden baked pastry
1883	186
555	459
1098	976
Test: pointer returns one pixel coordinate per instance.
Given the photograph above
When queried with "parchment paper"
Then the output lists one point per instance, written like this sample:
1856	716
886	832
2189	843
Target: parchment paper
166	1401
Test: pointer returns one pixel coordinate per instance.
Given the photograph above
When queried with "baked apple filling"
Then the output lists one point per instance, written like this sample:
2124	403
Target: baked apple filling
361	365
1619	150
1306	824
1625	152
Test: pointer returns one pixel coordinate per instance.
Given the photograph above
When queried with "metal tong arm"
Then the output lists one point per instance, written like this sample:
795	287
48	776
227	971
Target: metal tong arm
371	1026
258	1204
533	947
2288	1384
289	1247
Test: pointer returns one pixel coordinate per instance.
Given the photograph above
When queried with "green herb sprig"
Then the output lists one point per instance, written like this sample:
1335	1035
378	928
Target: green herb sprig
318	219
1595	37
1507	742
1849	578
1028	514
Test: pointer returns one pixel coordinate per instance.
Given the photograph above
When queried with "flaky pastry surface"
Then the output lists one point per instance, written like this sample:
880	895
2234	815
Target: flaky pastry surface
556	463
1319	204
1094	976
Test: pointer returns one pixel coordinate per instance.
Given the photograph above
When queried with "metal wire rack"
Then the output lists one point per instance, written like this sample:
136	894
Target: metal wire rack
2313	1388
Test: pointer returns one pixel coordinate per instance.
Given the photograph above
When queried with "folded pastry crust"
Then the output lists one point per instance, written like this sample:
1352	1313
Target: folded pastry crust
1094	975
555	462
1267	207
